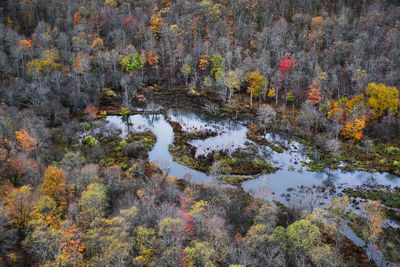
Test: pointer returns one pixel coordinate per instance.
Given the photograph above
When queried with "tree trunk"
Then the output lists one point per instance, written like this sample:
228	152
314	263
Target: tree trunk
251	99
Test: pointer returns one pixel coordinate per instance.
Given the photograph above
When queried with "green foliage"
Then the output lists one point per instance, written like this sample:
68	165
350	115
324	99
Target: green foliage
302	235
390	199
89	140
93	202
108	93
131	62
290	97
218	66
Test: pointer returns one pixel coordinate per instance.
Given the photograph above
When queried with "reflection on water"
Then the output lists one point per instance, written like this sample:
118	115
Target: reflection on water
291	177
232	135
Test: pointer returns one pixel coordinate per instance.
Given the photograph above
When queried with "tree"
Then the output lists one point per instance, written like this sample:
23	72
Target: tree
200	254
314	95
27	142
382	98
290	98
337	211
232	82
256	88
131	63
285	66
146	243
218	65
187	67
108	241
72	246
93	202
43	241
302	237
81	63
203	62
266	115
20	206
155	25
8	234
91	111
353	130
54	185
373	229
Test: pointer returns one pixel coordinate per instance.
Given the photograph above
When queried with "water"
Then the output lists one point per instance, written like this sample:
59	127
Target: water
232	135
291	184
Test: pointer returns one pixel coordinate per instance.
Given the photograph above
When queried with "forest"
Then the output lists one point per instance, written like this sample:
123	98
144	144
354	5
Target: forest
224	133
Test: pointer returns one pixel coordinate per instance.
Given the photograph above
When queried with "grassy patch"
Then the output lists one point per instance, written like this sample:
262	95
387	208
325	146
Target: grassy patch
254	134
390	199
234	179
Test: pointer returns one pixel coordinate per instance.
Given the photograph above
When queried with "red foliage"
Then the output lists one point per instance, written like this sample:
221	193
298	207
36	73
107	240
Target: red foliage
188	223
286	65
129	23
91	111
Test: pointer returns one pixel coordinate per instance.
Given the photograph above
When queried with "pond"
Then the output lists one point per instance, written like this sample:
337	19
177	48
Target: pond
291	184
230	135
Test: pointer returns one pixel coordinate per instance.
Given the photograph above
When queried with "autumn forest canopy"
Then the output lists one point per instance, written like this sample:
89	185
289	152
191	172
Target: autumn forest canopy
75	191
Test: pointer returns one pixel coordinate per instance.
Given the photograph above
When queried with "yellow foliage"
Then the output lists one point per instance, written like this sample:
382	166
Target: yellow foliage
46	63
382	98
97	43
155	25
272	92
19	205
199	206
232	80
111	3
356	101
353	130
256	83
54	185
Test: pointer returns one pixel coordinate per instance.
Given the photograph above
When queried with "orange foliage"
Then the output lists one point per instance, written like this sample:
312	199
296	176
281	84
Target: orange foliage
336	111
27	142
72	247
166	3
203	63
353	130
65	71
25	43
79	63
316	21
77	18
152	59
314	95
375	219
91	111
